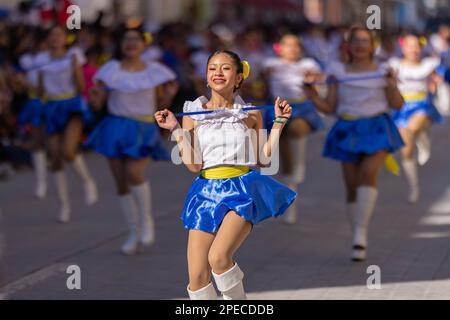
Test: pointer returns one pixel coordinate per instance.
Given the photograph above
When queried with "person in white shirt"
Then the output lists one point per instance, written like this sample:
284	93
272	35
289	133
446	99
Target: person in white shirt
60	84
416	76
285	75
31	114
129	136
365	134
228	198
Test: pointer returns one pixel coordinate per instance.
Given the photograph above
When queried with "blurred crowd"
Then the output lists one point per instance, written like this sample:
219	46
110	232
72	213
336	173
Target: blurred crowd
184	48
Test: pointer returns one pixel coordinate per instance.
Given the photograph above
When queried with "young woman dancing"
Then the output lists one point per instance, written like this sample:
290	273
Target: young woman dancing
228	198
364	134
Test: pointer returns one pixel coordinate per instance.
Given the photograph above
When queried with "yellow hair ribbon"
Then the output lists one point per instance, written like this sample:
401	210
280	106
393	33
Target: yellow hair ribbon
423	41
71	38
245	69
392	165
148	38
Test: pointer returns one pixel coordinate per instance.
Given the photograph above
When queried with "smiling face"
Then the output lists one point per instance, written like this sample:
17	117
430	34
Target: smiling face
411	48
132	44
290	48
222	73
57	38
361	45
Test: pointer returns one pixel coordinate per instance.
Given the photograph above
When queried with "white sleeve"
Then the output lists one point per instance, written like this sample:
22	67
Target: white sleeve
106	71
160	74
311	65
79	54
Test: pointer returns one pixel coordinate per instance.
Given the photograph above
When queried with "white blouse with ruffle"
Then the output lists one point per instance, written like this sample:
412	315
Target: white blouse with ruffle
133	93
223	137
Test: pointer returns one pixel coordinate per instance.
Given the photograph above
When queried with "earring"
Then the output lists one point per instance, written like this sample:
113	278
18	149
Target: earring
207	85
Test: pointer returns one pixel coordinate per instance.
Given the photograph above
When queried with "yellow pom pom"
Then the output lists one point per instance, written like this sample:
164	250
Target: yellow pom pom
423	41
148	38
245	69
70	39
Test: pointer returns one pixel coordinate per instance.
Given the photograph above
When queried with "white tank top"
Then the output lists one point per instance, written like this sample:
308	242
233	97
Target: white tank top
360	98
223	137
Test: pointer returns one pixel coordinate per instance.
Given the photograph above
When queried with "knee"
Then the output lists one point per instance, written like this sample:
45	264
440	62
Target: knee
134	178
56	164
368	178
219	261
69	155
198	279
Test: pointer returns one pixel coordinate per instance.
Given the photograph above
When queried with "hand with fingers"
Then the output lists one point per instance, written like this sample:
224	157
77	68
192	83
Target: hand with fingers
166	120
283	109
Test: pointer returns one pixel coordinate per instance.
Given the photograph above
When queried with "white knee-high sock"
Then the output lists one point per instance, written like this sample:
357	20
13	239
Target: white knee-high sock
206	293
230	283
423	143
142	194
40	169
297	147
90	188
412	176
63	195
365	205
130	213
290	216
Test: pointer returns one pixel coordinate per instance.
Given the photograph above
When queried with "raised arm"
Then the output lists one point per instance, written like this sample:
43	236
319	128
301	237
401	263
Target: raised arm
327	105
184	136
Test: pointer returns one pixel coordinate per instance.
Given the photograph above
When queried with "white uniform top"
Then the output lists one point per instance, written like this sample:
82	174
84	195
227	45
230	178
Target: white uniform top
58	74
223	137
29	63
133	93
414	78
286	79
363	98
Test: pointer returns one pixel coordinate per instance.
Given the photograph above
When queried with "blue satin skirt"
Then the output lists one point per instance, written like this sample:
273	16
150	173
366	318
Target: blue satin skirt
253	196
401	117
120	137
305	111
349	140
32	113
57	113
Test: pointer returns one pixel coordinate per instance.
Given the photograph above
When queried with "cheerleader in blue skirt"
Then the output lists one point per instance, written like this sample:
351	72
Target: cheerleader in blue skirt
31	114
285	75
129	136
228	198
60	83
416	76
365	133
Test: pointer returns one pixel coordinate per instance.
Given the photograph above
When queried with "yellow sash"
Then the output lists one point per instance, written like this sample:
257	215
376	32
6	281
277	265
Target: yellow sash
414	96
144	118
390	162
64	96
224	172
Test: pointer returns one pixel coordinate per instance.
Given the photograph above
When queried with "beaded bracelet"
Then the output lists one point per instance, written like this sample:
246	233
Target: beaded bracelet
280	121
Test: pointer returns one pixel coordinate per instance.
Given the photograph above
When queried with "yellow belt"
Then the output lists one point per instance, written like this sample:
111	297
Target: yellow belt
59	97
414	96
144	118
225	172
390	163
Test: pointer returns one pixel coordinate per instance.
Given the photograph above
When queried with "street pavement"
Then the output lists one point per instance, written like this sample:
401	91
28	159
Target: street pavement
310	260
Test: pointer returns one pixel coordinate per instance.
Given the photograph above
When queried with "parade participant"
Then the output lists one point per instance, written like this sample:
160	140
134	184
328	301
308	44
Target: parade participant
31	114
128	136
61	83
418	113
285	76
228	198
364	134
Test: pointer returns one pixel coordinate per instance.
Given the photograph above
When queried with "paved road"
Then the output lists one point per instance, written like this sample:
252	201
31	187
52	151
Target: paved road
310	260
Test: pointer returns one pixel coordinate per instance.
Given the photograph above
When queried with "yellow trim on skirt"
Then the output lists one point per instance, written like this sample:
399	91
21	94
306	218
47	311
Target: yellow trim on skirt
225	172
64	96
390	162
